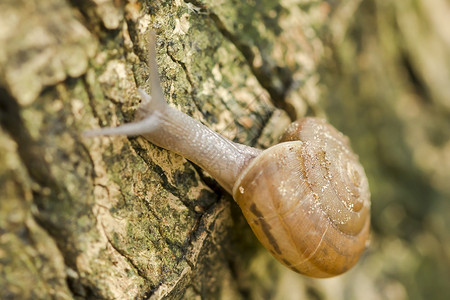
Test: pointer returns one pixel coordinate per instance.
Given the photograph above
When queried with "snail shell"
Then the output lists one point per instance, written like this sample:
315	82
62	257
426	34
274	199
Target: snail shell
307	200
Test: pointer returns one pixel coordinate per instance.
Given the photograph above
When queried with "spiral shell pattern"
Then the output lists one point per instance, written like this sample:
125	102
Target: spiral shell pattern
307	200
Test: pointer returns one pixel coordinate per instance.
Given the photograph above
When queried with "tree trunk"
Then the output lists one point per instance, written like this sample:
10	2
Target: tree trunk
119	218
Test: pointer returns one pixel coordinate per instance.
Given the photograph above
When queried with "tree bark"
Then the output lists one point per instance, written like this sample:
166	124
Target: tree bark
119	218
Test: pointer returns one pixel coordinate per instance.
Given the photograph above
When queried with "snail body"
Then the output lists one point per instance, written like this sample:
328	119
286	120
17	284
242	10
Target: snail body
306	199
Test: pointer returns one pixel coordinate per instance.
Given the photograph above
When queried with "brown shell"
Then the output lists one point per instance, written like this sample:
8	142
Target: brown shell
307	200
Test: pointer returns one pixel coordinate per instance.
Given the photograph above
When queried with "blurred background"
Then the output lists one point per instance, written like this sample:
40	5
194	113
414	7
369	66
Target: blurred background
388	88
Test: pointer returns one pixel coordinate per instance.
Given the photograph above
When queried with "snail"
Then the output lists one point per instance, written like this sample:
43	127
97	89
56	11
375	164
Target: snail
306	199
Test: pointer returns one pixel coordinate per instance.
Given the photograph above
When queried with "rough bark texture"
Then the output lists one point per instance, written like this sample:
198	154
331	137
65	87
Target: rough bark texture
119	218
